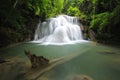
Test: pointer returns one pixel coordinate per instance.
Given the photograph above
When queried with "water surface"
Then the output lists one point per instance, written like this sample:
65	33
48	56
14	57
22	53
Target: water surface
94	60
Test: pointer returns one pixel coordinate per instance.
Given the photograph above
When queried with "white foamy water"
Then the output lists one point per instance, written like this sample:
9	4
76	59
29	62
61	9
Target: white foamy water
62	29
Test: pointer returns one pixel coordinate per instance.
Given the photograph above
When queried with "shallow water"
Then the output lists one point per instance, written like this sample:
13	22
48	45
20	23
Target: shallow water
93	60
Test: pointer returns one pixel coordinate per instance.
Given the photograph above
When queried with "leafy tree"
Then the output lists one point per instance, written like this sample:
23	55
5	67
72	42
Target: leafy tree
73	11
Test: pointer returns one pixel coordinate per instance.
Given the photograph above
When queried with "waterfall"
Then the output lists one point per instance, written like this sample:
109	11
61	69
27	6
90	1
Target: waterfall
61	29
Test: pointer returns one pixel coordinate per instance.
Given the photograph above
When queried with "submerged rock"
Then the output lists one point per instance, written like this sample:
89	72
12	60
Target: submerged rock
79	77
108	52
2	61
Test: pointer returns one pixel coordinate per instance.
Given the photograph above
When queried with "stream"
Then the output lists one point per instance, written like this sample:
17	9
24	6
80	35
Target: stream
92	60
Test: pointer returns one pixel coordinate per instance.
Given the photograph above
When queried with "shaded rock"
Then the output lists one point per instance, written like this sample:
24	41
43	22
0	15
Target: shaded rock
91	34
79	77
108	52
2	60
88	34
36	61
12	70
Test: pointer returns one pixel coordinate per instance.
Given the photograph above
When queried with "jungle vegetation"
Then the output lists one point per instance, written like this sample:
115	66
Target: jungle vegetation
19	18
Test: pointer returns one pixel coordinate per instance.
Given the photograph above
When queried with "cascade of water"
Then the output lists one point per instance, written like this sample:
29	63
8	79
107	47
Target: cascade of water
60	29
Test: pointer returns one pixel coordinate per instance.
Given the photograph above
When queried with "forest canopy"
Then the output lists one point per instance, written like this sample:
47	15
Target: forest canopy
18	18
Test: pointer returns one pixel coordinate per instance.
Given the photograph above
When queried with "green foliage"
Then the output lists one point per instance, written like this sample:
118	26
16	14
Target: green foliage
106	5
115	21
105	21
100	20
15	16
56	8
78	8
86	7
116	16
73	11
94	1
58	4
19	17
